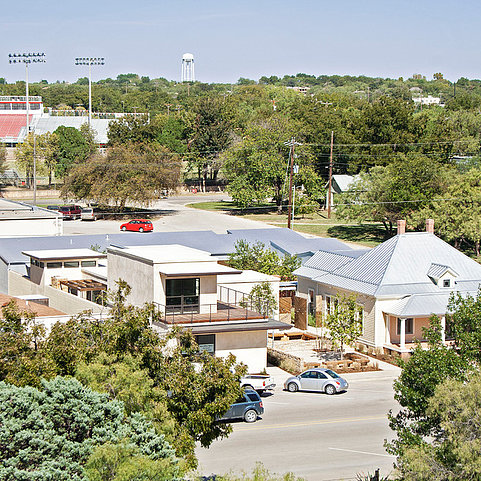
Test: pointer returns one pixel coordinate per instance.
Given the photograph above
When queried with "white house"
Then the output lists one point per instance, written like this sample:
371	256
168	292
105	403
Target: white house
399	285
183	283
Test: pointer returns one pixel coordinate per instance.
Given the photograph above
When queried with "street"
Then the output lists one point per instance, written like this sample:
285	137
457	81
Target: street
315	436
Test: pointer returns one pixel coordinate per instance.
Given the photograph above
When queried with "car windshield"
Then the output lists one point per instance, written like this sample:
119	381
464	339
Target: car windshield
64	209
332	374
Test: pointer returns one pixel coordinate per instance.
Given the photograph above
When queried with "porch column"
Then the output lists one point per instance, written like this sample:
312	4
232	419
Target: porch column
387	336
402	340
443	329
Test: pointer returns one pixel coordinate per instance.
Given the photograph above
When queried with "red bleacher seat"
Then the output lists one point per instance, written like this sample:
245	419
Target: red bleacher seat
11	125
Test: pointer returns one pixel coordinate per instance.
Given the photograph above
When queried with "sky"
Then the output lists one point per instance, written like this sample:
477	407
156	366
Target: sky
243	38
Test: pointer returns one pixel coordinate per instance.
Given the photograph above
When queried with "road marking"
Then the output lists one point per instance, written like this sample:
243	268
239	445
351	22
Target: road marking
363	452
327	421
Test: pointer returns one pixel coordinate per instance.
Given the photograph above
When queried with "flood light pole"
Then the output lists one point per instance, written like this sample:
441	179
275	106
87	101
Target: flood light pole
28	58
90	61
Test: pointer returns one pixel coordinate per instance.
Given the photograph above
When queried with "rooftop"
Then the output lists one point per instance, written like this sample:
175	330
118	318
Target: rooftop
39	310
64	254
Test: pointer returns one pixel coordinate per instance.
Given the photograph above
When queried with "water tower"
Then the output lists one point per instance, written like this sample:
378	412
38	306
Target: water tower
188	68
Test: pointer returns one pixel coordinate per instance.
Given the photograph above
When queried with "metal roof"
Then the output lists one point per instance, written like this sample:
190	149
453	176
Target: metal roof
400	265
436	271
51	124
64	254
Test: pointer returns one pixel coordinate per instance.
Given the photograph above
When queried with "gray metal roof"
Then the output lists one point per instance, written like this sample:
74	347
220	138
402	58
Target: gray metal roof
217	244
287	241
437	270
51	124
400	266
420	305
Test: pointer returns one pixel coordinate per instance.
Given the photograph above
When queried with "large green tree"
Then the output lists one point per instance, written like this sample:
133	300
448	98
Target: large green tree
258	257
135	173
415	424
453	455
51	433
72	148
397	191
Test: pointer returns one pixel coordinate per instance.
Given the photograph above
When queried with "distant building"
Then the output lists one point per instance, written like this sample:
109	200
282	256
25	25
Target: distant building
429	100
13	119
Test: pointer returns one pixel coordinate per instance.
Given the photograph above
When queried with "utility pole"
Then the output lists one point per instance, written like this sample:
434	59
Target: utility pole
329	195
292	143
34	170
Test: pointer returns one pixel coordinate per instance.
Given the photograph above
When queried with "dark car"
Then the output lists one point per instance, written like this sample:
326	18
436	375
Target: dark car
70	211
248	407
138	225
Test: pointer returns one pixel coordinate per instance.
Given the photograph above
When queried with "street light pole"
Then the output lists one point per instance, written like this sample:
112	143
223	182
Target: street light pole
28	58
90	61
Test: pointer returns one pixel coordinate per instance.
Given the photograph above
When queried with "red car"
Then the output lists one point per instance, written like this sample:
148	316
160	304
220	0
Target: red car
70	211
138	225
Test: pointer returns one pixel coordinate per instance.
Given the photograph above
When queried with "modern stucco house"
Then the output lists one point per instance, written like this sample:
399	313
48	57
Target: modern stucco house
398	285
191	289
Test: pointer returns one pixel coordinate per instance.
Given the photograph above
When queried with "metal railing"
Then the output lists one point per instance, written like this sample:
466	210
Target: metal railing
231	305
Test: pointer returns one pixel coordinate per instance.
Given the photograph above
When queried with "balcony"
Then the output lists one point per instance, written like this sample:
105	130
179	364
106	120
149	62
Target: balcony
231	306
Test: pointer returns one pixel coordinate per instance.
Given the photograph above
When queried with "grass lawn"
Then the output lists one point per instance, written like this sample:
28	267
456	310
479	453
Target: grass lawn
368	234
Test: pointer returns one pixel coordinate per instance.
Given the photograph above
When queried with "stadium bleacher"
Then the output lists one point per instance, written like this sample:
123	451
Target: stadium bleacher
11	127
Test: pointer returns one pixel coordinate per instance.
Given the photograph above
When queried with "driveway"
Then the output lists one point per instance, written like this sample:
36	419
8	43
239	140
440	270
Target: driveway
316	436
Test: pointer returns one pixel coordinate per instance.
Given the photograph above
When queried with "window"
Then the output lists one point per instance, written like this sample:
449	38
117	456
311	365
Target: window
311	302
321	375
41	265
54	265
88	263
182	295
206	343
447	283
309	375
409	326
71	264
33	262
331	303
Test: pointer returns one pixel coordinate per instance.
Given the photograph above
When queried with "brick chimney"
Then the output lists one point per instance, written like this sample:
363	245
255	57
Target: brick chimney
430	226
401	227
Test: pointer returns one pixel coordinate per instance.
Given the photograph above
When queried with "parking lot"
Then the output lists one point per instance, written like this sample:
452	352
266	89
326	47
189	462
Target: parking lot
316	436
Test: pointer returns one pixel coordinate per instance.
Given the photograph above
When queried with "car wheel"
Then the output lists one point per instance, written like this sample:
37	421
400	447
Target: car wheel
141	229
292	387
124	228
250	416
248	386
330	389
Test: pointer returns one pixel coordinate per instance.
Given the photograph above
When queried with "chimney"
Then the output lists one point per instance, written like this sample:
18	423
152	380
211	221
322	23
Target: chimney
430	226
401	227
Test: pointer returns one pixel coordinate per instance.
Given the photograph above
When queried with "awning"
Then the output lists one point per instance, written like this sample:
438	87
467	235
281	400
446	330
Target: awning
84	285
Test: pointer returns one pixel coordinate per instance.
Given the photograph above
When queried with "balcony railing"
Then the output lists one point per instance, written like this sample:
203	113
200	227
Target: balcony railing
231	305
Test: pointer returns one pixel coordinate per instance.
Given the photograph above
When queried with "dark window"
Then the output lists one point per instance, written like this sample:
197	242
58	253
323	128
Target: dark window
41	265
309	375
447	283
54	265
71	264
253	396
321	375
182	295
408	328
89	263
206	342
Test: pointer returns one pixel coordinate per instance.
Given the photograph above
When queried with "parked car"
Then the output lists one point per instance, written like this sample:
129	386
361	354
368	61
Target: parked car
317	379
138	225
88	214
53	207
258	382
248	407
70	211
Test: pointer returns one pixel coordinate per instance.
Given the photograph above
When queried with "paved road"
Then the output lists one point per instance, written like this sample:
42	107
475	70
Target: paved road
315	436
175	216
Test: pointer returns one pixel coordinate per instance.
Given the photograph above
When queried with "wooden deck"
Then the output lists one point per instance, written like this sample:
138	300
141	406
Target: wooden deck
224	313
